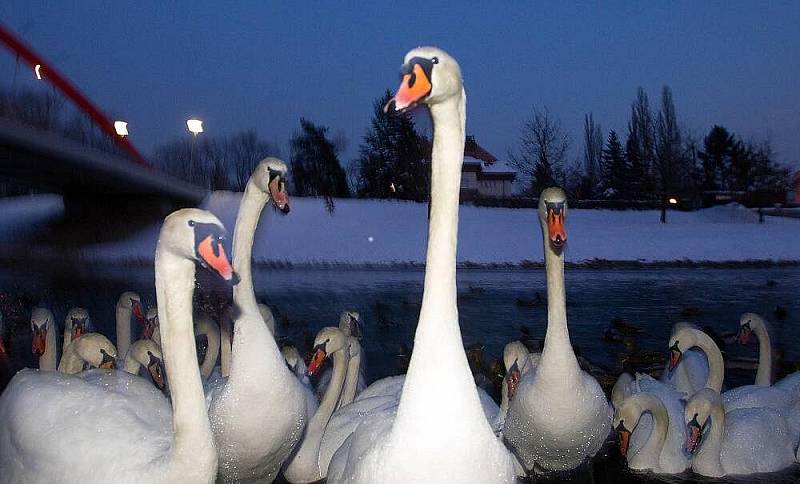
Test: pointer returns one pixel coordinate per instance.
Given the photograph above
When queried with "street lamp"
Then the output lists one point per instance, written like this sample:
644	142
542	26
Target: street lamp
38	71
121	127
195	126
673	201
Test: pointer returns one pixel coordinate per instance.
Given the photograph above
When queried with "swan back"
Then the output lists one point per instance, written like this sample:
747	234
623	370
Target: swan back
92	349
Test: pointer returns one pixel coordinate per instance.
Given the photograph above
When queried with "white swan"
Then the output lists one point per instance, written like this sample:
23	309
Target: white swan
91	349
560	415
151	327
303	467
45	338
266	315
440	432
297	365
145	353
691	373
355	383
660	448
259	414
749	324
76	324
742	441
129	305
112	435
206	327
518	361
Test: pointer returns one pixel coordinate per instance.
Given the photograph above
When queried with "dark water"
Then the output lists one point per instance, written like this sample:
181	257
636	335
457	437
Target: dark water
495	307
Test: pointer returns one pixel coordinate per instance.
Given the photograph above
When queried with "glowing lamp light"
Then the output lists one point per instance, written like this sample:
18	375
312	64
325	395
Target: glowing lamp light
673	201
121	127
195	126
38	71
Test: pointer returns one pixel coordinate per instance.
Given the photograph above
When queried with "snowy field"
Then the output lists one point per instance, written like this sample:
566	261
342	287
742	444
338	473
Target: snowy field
386	232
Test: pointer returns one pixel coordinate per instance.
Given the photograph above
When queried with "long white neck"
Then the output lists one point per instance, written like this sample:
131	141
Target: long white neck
123	329
49	359
132	364
764	374
353	373
648	457
253	201
557	353
225	344
706	460
716	365
212	351
67	333
71	361
193	443
439	395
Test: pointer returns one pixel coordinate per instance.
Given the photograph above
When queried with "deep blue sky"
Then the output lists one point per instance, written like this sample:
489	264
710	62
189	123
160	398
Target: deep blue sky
263	65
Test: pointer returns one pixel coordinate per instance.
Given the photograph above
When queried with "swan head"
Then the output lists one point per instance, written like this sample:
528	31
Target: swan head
293	360
198	235
515	359
328	341
350	323
78	322
150	323
626	418
682	339
270	177
132	302
96	350
155	366
428	75
747	323
697	413
41	323
552	214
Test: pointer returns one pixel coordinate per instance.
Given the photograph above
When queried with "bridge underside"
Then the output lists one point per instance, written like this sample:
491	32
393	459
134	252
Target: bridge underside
91	182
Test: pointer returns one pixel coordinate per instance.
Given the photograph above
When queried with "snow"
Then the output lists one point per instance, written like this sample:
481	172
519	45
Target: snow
382	232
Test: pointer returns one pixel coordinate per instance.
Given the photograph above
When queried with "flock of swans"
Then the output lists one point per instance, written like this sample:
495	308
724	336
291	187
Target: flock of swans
163	416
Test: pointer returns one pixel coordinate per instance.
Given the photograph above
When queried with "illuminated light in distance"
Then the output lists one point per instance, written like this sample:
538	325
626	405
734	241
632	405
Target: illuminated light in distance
195	126
121	127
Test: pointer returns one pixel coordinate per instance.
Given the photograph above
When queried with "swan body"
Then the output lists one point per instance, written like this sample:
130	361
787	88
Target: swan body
739	442
559	416
91	349
438	431
62	428
259	412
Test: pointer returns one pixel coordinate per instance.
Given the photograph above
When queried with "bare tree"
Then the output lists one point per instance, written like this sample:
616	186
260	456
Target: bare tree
669	162
592	153
541	152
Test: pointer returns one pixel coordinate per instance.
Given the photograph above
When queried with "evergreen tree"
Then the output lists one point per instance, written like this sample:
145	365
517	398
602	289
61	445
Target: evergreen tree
670	166
614	169
718	147
315	165
639	148
391	157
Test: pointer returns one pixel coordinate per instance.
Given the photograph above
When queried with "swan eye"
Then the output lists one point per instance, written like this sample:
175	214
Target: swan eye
435	60
191	223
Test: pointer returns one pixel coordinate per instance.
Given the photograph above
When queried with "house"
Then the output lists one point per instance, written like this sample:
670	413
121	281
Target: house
483	175
794	196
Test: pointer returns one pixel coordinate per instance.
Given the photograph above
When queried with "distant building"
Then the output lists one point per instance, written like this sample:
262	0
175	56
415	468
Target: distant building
483	175
795	189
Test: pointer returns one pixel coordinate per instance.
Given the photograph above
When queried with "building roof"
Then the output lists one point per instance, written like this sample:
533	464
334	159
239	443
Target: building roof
477	158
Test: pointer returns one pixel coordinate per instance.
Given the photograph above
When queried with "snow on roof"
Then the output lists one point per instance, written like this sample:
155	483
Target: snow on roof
498	167
468	160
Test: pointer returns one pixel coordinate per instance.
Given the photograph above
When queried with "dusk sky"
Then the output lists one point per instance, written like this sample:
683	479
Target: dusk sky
263	65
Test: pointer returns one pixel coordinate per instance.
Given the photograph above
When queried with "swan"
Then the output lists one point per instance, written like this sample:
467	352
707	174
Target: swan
76	324
206	327
145	353
559	416
266	315
296	364
438	432
110	433
259	412
691	373
92	349
741	441
749	324
129	304
151	328
661	448
45	338
518	361
350	324
303	467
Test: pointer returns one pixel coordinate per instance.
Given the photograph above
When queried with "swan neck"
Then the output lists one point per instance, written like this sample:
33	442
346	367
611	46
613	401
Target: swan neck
651	451
708	455
212	351
253	202
49	359
174	287
225	345
328	403
71	361
716	366
132	365
123	329
764	373
353	369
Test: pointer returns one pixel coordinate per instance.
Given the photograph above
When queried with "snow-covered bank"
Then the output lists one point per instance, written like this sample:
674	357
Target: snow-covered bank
364	232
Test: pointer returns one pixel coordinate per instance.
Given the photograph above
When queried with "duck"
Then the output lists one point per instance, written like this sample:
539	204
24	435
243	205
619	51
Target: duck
111	433
724	442
44	344
559	416
129	305
331	343
437	431
518	361
658	445
258	413
76	324
92	349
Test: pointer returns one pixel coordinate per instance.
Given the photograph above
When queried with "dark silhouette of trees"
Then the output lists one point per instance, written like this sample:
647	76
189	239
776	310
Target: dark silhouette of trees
315	163
614	179
669	160
541	153
640	147
592	156
391	157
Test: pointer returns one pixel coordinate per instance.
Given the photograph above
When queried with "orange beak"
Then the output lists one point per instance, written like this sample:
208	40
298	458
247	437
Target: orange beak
39	344
744	335
279	197
149	329
108	364
137	311
694	437
674	358
512	379
413	88
316	361
213	254
77	331
624	441
555	228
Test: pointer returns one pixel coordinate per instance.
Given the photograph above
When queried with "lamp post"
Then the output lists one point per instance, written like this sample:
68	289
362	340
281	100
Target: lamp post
195	126
121	127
